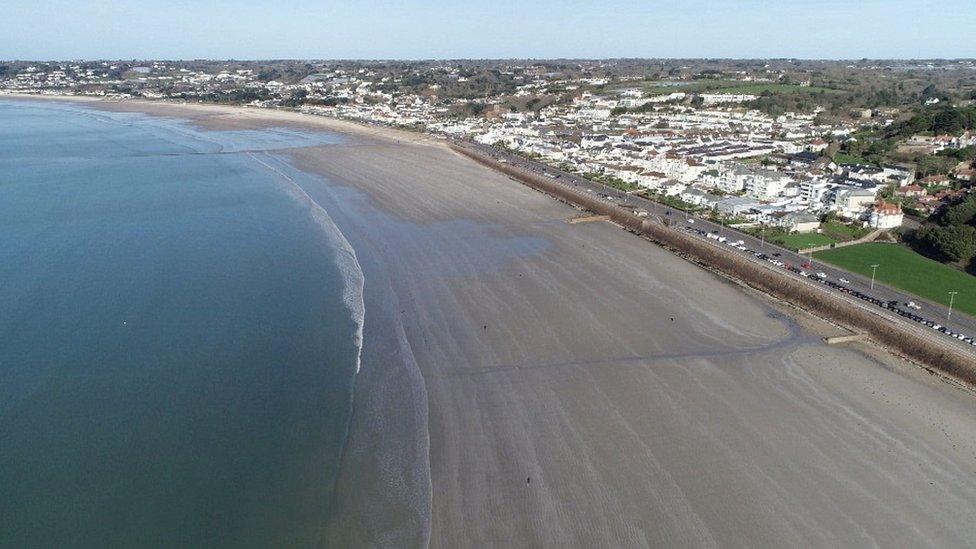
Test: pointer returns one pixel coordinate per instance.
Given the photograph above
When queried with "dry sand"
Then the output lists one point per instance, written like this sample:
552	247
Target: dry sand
583	387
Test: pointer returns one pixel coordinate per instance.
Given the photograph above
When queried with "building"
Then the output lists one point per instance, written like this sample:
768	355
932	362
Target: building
672	188
939	180
719	98
901	175
693	196
765	184
800	222
812	192
851	203
885	215
914	191
736	206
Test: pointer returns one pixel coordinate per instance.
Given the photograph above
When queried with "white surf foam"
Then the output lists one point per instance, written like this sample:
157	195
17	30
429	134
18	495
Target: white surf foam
348	263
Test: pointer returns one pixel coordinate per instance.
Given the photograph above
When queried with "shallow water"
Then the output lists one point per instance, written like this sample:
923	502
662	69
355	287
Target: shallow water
178	335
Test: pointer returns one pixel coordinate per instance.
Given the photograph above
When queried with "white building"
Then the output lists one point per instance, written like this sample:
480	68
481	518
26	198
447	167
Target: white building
852	203
885	215
719	98
800	222
812	192
766	184
736	205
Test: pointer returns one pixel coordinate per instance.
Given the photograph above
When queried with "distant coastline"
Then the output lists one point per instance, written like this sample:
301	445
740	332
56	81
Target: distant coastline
229	116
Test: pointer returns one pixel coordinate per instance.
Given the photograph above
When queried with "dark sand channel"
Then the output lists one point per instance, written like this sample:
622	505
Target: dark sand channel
582	387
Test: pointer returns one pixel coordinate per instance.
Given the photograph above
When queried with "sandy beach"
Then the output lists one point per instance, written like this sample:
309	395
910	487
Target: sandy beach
586	388
530	382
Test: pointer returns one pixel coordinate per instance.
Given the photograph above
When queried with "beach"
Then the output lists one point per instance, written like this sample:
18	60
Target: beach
586	388
525	381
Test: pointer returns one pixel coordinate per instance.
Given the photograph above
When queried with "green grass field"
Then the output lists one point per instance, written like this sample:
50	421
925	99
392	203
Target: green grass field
903	268
805	240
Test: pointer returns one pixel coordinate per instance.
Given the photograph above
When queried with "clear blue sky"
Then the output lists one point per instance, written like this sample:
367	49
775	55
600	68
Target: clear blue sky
412	29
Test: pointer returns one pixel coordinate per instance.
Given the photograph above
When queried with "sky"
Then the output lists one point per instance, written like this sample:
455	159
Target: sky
454	29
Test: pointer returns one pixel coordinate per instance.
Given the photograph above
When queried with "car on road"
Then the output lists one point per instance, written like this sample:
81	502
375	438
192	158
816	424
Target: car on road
844	281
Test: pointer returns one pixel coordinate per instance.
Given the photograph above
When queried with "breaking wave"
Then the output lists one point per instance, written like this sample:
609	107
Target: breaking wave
350	270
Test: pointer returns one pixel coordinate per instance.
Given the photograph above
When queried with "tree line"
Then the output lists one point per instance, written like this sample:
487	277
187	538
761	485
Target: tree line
951	235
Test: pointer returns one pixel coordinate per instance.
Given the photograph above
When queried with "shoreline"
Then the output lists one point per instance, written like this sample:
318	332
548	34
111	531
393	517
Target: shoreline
364	468
218	117
239	319
564	365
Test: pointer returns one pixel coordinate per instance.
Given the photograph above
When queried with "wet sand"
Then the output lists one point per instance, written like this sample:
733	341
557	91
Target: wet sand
583	387
587	388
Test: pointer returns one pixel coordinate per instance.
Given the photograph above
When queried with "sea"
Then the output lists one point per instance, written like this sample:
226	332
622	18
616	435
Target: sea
180	329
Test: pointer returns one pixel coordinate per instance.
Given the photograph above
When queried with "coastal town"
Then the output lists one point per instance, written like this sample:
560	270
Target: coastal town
460	274
859	165
701	148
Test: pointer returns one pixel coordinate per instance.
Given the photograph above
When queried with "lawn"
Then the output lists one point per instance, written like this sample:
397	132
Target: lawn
804	240
901	267
841	232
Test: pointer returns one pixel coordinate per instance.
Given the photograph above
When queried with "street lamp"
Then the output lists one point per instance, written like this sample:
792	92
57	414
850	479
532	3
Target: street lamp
874	270
952	295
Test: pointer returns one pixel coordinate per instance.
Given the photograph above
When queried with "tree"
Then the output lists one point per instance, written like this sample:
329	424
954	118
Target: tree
269	74
934	165
954	242
949	121
962	213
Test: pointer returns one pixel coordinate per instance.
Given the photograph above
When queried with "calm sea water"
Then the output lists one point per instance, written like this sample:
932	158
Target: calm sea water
178	335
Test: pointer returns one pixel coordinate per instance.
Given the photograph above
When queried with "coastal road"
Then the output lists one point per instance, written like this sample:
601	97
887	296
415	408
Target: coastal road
958	323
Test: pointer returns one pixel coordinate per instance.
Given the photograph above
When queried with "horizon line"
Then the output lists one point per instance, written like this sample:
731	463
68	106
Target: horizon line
427	59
